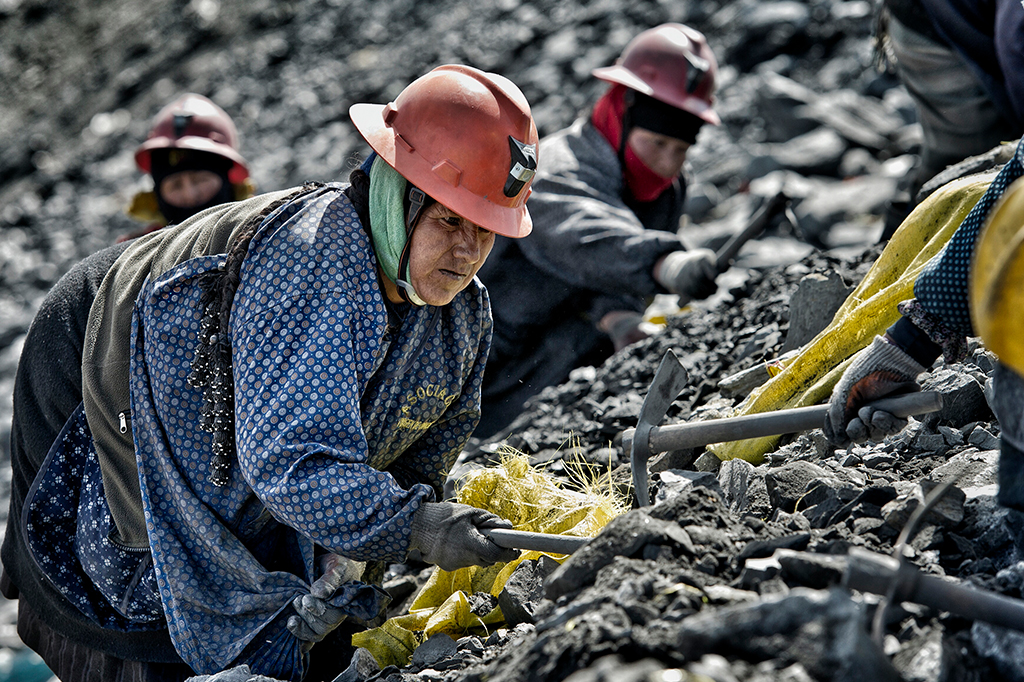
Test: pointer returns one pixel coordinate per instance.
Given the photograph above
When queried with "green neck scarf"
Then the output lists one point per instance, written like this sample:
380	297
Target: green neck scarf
387	217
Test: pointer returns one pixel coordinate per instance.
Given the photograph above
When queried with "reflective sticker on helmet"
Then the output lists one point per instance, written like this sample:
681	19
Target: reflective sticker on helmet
698	68
524	166
181	122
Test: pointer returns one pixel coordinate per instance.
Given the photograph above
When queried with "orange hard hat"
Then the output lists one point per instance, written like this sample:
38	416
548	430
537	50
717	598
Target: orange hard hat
671	63
194	122
466	138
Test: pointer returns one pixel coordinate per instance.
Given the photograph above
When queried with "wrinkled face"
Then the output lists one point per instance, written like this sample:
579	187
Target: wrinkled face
445	253
190	188
662	154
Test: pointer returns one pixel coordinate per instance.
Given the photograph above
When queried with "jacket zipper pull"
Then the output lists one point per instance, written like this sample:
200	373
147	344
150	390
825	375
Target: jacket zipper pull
123	422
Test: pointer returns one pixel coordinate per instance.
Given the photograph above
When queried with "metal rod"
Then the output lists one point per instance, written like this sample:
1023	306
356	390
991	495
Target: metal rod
694	434
535	542
885	575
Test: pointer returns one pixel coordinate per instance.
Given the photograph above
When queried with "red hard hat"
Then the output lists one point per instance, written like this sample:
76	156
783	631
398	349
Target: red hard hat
466	138
671	63
194	122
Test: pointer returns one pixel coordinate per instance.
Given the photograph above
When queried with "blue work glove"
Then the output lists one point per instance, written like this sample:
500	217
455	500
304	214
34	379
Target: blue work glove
879	370
688	274
447	534
316	617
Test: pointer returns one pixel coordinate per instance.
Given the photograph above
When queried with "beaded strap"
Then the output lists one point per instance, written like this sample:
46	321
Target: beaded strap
952	342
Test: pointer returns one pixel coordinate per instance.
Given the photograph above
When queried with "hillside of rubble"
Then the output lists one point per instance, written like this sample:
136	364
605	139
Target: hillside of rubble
737	572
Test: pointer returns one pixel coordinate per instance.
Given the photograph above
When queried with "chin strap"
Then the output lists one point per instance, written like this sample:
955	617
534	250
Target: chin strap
417	199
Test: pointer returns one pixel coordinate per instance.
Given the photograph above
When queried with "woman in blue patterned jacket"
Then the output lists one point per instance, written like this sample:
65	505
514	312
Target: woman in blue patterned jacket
272	395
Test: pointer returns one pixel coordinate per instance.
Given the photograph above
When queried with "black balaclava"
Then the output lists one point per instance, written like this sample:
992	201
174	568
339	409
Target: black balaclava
659	117
165	162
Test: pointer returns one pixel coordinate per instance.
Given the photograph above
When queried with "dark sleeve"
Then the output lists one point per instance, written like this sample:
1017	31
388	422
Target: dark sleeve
592	241
1009	46
941	287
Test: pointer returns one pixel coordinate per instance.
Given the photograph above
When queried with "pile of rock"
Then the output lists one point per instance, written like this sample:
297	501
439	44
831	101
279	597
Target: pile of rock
733	574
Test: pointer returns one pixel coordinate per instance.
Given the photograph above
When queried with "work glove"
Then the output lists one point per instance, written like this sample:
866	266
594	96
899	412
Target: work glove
316	617
880	370
447	534
688	274
623	327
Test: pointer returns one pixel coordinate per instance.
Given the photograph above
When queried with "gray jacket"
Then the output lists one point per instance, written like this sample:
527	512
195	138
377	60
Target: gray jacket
590	253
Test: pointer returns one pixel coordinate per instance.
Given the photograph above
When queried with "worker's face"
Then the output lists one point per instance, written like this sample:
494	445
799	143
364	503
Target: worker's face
662	154
445	253
190	188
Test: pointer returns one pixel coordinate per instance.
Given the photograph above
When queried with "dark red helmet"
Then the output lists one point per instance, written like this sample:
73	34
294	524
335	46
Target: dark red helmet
671	63
194	122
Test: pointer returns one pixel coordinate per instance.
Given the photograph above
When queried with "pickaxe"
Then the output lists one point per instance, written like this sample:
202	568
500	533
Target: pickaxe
669	381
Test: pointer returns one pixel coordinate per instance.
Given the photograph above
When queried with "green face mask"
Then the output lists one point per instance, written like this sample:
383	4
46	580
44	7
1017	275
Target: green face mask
387	224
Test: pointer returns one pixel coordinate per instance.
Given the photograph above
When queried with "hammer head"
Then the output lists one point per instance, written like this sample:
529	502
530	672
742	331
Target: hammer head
669	381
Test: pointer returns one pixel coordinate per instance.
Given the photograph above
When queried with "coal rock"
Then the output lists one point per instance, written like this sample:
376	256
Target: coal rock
1002	647
675	481
829	632
521	594
363	667
813	305
963	398
626	536
436	649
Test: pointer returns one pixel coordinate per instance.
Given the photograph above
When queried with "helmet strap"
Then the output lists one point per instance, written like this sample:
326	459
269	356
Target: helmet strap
405	287
416	200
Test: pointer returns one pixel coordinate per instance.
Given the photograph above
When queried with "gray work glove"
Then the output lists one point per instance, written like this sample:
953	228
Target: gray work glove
879	370
316	617
688	274
623	328
447	534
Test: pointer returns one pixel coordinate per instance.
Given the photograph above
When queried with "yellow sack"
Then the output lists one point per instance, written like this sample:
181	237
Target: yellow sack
809	376
144	208
533	501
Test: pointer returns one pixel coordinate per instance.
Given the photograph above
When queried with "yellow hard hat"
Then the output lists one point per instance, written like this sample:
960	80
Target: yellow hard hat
997	279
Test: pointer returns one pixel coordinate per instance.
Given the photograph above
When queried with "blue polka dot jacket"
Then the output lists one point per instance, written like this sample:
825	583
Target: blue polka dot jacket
940	311
344	425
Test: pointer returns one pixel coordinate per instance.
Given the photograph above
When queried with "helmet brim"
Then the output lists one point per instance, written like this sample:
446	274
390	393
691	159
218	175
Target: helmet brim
623	76
507	221
239	170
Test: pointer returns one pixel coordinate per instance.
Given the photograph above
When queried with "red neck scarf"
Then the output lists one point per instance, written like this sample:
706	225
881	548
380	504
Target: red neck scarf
609	112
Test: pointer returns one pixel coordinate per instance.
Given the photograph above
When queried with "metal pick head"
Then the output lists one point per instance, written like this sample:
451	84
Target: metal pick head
669	382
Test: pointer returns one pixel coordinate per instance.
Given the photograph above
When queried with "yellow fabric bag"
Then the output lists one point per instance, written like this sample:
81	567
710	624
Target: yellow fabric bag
809	376
533	501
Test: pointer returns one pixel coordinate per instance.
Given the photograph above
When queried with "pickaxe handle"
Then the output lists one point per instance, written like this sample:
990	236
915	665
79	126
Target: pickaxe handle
536	542
695	434
757	224
902	581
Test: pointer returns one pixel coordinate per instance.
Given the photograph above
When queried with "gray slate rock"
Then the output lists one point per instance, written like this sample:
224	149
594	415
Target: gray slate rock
813	305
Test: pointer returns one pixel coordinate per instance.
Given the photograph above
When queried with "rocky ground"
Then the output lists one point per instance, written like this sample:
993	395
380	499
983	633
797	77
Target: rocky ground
736	573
